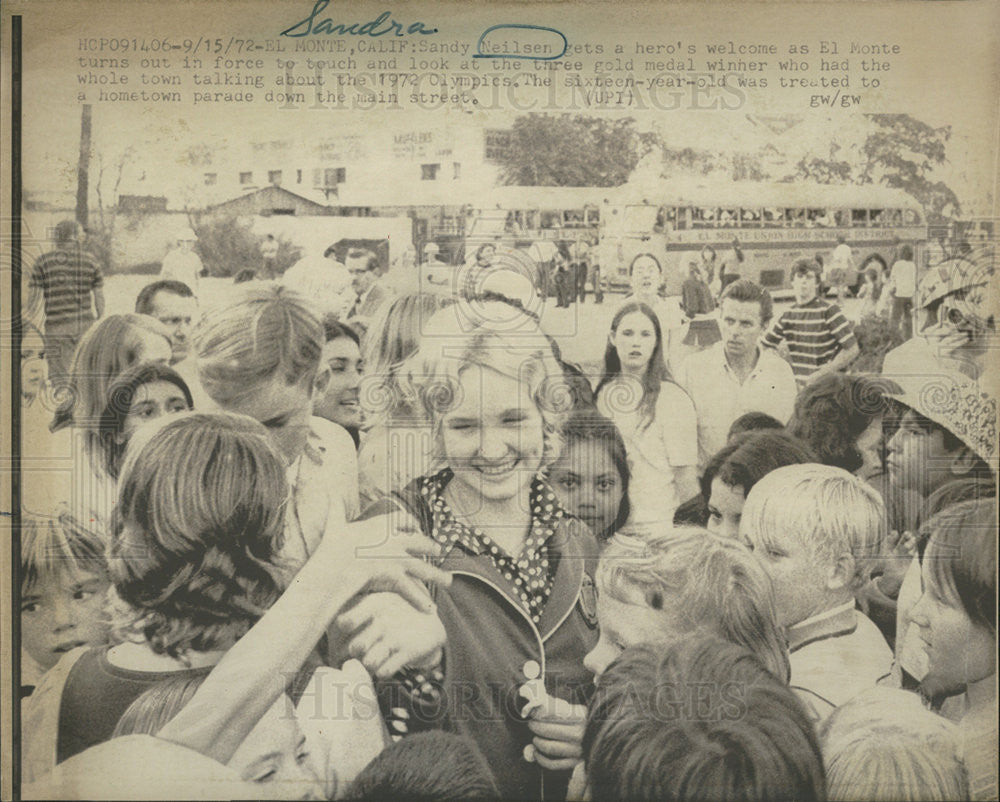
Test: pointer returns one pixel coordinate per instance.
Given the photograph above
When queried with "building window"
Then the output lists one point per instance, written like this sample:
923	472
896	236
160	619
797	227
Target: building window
333	176
211	179
274	177
457	167
246	178
429	172
298	176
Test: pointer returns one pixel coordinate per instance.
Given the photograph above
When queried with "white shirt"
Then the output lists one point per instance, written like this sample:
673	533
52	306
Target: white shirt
324	482
183	266
835	656
654	451
719	398
903	278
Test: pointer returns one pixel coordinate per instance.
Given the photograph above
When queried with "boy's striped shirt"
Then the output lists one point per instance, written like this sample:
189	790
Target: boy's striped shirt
66	278
815	333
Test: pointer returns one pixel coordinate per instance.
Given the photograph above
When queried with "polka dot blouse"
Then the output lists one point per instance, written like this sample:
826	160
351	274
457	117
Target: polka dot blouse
528	575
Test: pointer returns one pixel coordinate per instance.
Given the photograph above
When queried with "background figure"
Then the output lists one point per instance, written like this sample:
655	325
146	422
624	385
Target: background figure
902	286
174	305
595	272
66	284
579	257
342	355
839	271
182	263
269	258
370	293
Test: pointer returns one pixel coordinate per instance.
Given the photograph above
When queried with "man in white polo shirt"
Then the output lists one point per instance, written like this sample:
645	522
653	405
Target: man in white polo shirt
736	375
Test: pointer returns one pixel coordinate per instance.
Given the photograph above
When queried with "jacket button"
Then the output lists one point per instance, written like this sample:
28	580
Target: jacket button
531	669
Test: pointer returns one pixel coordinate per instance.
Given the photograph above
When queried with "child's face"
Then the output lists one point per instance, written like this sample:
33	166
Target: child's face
918	460
152	401
725	509
959	652
869	446
33	367
284	409
645	277
63	610
492	437
623	625
340	402
634	340
798	574
588	484
805	285
275	756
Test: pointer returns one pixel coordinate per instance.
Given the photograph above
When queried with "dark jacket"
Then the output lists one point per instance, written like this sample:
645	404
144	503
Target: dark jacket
493	648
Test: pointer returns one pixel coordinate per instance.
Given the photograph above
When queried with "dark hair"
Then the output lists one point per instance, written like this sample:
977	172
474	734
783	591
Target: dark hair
807	266
244	275
833	411
333	329
756	455
746	291
656	371
962	551
906	252
578	383
482	249
144	300
701	719
196	532
590	426
121	393
426	767
55	544
639	256
65	232
753	422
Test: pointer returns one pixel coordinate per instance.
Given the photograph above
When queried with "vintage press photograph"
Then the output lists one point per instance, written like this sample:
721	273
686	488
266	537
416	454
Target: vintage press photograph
571	401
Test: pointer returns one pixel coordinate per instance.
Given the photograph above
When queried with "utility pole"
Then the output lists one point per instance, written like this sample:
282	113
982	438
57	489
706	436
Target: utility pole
83	168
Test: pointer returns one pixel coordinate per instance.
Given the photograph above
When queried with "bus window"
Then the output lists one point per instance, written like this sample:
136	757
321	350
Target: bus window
551	220
859	218
728	218
796	217
593	216
875	217
573	218
893	217
703	216
774	218
910	217
750	217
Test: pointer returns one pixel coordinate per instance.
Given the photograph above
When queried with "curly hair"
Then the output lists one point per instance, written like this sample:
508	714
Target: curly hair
196	532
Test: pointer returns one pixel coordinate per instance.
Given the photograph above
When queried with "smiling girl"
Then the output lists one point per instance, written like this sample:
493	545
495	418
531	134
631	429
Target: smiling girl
493	392
655	416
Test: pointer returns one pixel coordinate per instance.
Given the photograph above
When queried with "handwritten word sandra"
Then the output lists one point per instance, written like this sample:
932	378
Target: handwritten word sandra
380	26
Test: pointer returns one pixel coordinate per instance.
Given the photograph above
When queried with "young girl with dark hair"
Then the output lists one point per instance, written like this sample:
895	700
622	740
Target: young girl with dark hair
654	415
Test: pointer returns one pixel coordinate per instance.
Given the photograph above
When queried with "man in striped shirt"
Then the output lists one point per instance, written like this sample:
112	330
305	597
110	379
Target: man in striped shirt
818	337
66	279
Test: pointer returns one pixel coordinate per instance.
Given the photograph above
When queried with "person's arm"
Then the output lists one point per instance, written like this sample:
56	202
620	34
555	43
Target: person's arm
232	698
98	301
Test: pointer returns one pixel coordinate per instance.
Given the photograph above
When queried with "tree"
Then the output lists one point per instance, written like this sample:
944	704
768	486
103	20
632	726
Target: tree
902	152
572	150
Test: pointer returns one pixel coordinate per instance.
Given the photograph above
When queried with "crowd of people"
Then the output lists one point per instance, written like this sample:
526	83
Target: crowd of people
400	548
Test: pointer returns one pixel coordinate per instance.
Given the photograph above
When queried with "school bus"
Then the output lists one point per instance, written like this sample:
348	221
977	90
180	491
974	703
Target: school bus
518	217
774	224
